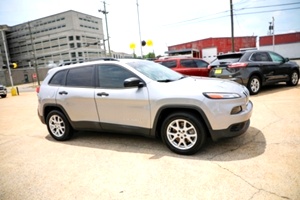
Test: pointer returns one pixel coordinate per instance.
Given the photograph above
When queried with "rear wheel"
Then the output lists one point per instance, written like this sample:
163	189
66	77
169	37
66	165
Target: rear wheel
3	96
294	78
58	126
183	133
254	85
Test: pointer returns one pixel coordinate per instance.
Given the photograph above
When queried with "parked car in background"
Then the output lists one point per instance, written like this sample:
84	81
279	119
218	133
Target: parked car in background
3	91
186	65
145	98
255	69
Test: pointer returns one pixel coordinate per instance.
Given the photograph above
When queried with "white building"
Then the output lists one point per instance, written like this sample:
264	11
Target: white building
65	37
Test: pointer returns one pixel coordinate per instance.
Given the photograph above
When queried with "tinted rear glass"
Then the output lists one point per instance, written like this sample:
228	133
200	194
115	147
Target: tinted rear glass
169	64
228	58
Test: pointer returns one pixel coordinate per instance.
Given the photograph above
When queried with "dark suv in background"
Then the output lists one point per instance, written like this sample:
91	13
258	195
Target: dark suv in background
186	65
3	91
255	69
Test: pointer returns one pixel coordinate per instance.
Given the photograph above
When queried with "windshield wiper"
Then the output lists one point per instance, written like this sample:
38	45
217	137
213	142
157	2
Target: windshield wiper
165	80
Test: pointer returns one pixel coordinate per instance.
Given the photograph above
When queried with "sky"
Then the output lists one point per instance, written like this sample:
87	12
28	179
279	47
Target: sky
165	22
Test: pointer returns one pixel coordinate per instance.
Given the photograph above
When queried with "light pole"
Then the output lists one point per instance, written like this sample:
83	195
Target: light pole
105	13
271	28
137	5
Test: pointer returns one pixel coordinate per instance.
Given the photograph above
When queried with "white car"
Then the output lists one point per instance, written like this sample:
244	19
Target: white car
142	97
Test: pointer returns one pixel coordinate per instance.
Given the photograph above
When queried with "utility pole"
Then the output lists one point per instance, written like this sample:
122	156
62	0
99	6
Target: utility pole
273	33
137	5
34	57
232	25
7	60
105	13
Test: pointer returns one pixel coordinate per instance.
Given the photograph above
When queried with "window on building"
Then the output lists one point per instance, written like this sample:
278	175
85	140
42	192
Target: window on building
72	45
71	38
78	45
73	55
77	37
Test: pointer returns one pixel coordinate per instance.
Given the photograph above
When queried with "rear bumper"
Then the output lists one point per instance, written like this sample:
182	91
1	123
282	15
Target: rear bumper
41	118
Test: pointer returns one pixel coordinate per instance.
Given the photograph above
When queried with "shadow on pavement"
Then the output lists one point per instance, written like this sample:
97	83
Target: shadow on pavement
248	145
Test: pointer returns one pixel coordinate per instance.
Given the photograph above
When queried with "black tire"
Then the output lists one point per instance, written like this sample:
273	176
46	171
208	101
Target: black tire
3	96
183	133
59	126
294	78
254	85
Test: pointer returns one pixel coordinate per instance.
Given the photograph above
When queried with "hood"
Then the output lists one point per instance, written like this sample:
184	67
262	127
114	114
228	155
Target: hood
205	84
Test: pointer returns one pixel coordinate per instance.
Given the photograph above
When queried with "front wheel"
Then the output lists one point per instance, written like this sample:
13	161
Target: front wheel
294	78
183	133
58	126
254	85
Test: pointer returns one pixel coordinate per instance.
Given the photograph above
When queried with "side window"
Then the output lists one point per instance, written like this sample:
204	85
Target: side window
260	57
201	64
113	76
276	58
58	78
81	77
169	64
188	63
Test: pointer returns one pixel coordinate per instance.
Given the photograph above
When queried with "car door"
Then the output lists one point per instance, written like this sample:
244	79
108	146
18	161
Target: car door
263	62
76	96
120	106
282	69
193	67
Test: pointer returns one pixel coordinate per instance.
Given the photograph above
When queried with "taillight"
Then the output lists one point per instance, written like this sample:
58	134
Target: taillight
37	89
238	65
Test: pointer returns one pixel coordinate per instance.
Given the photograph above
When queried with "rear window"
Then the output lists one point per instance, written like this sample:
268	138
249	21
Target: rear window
169	64
227	58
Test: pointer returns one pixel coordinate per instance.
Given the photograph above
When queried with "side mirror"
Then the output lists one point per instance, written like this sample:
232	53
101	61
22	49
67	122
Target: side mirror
133	82
286	60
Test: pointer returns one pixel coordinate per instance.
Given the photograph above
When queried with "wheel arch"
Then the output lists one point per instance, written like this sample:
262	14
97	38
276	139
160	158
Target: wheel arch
167	110
50	107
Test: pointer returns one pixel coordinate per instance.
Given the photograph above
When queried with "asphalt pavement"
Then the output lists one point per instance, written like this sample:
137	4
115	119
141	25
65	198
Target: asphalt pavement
263	163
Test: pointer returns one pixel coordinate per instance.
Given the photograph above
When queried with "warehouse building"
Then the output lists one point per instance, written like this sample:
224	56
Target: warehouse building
288	45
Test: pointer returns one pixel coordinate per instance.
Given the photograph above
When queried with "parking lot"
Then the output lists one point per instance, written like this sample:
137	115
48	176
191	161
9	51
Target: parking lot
263	163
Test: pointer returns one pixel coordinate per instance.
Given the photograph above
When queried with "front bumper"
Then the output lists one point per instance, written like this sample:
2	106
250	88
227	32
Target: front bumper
232	131
236	127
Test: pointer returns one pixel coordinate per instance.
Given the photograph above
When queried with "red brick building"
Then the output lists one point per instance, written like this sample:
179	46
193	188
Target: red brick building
209	48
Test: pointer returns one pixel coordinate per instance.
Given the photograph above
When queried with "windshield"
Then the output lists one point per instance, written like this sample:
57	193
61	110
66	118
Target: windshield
155	71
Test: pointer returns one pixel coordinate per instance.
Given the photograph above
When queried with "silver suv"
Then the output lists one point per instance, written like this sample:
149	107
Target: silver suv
145	98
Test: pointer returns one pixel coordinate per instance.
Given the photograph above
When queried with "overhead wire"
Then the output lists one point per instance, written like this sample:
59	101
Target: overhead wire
202	18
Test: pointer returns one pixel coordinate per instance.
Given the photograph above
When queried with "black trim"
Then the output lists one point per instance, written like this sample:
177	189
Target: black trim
125	129
232	131
176	107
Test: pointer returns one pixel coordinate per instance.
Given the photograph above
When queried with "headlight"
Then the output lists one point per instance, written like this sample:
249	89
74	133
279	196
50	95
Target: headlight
217	95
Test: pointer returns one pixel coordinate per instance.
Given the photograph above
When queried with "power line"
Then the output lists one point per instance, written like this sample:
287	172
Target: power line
267	11
196	20
276	5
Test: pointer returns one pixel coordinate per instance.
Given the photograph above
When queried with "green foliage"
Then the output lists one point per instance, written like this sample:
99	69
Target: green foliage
149	55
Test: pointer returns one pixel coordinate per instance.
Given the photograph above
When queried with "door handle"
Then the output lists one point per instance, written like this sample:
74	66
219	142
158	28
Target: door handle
63	92
102	94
